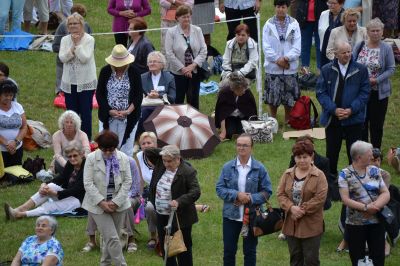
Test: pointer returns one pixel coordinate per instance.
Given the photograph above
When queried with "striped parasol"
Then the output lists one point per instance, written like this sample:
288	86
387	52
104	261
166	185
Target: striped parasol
184	126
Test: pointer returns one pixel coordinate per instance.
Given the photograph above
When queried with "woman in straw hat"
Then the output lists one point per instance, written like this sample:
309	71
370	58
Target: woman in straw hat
119	94
79	71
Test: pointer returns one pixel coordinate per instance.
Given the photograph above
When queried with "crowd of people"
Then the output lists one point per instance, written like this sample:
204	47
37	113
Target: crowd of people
353	88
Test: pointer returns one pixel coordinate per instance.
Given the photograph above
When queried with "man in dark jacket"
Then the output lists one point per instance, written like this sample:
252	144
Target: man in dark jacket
342	90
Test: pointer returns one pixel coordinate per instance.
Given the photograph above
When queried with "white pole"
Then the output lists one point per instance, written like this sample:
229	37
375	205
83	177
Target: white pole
259	74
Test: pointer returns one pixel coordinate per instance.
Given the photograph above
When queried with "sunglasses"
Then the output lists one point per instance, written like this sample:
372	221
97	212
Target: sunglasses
72	156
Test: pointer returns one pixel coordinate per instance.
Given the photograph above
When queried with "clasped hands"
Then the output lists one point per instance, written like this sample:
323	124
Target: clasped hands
342	113
371	209
45	190
120	114
296	212
153	94
108	206
283	62
127	13
11	147
242	198
187	70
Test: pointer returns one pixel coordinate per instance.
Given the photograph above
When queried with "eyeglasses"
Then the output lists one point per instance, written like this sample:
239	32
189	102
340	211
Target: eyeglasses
243	145
154	62
332	3
73	23
72	156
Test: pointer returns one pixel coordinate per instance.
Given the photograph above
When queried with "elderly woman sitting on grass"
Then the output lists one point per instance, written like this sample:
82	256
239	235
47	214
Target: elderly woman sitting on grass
42	248
63	195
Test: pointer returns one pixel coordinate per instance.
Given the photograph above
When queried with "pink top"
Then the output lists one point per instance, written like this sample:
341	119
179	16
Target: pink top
60	142
120	23
310	11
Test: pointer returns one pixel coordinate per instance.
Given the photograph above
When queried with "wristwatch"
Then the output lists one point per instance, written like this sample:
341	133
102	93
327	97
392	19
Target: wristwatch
17	142
365	207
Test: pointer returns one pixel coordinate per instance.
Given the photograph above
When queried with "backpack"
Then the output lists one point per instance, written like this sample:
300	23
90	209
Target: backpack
40	134
300	115
35	165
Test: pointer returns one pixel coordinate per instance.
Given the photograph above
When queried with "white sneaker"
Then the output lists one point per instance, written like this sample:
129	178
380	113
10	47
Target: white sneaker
132	247
88	247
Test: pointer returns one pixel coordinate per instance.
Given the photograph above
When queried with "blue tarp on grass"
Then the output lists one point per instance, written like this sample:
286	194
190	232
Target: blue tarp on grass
19	43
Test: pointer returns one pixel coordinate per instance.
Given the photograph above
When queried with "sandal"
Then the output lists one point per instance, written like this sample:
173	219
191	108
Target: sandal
132	247
151	244
88	247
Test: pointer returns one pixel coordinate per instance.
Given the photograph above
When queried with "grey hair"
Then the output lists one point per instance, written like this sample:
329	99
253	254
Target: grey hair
69	114
375	23
359	148
52	222
159	55
170	150
234	81
73	146
78	17
340	43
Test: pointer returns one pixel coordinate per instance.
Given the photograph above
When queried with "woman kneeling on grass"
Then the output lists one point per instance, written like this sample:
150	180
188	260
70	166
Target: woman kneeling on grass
66	191
42	248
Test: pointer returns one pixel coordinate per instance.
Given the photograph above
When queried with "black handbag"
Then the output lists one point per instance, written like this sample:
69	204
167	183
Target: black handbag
267	221
204	71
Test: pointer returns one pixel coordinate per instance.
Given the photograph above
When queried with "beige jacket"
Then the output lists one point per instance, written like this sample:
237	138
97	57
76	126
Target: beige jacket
340	33
175	47
313	194
94	180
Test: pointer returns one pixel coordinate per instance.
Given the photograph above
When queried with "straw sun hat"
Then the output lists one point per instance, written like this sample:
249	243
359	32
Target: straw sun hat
120	56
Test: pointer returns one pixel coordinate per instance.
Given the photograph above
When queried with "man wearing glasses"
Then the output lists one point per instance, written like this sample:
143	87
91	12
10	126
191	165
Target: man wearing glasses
244	182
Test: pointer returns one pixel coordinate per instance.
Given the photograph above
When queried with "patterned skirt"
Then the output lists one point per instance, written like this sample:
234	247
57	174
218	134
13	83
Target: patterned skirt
388	12
281	89
203	14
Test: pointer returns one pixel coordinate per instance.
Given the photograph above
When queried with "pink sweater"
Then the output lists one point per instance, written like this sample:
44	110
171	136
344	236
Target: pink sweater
60	142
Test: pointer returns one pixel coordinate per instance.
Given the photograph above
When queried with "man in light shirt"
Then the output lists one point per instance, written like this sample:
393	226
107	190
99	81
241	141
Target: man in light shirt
244	182
343	91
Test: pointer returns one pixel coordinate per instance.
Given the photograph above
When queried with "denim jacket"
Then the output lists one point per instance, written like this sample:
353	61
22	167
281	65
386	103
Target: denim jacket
257	182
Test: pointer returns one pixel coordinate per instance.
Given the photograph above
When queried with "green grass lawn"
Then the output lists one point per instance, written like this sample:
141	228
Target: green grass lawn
35	73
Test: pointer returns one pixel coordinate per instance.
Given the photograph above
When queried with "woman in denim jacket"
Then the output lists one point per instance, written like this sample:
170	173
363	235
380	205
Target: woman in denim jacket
243	181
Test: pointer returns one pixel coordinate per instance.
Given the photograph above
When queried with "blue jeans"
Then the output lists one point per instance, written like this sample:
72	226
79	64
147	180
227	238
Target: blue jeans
231	231
307	32
81	103
17	8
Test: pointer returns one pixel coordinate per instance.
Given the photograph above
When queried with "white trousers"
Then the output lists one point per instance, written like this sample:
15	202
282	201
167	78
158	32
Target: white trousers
63	6
49	205
118	127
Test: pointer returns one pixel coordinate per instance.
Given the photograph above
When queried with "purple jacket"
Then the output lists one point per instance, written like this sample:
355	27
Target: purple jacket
140	7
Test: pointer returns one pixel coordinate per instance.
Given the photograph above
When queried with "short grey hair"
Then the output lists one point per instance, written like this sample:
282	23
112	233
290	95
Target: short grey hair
359	148
340	43
160	56
69	114
51	220
375	23
170	150
73	146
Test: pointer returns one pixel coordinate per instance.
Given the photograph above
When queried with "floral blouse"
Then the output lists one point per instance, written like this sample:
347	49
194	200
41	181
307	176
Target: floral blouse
33	253
370	58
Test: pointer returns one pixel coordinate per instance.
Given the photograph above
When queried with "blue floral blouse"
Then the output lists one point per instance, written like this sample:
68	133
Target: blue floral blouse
34	253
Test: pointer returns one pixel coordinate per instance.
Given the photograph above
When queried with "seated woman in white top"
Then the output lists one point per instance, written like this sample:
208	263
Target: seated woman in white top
69	124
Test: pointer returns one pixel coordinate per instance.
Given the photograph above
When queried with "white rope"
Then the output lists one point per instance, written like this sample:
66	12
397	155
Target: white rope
112	33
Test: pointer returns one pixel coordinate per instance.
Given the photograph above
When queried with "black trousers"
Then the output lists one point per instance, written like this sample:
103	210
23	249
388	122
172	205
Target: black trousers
237	13
185	258
373	235
335	133
121	38
233	126
14	159
376	112
189	87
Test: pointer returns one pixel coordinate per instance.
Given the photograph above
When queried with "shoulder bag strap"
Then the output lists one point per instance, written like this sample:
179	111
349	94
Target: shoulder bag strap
356	175
315	119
